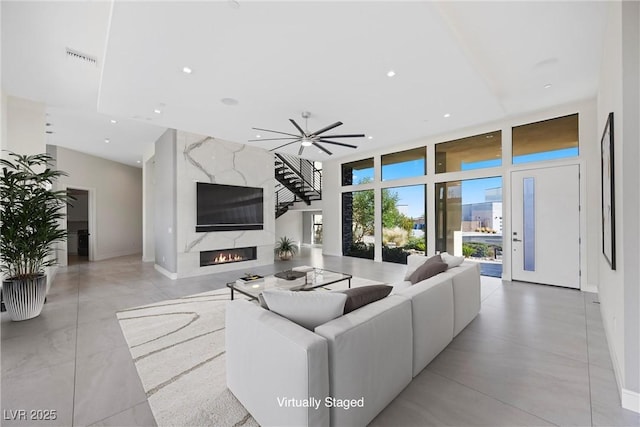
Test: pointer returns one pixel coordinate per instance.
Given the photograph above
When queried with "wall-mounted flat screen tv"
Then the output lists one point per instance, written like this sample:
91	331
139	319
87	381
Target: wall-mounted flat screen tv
228	207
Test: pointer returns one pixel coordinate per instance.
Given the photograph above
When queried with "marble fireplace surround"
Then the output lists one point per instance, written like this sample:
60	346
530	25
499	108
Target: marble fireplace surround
207	159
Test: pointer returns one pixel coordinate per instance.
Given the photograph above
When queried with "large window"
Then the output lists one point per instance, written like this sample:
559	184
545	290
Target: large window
359	172
358	224
546	140
404	164
403	222
474	152
469	221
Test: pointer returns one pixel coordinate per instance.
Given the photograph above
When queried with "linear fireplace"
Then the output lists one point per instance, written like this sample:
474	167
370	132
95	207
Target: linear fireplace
226	256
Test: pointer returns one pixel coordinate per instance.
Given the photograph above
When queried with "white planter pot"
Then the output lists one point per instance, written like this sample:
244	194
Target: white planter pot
24	298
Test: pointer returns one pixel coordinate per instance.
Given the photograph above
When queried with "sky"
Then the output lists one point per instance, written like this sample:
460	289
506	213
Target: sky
472	190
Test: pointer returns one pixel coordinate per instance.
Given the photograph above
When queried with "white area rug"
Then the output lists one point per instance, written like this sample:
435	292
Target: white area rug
179	351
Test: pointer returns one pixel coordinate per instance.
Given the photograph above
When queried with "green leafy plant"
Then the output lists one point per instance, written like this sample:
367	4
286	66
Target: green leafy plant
416	243
30	215
285	245
467	250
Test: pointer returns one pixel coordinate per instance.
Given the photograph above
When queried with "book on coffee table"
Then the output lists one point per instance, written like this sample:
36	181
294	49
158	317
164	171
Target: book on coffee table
250	278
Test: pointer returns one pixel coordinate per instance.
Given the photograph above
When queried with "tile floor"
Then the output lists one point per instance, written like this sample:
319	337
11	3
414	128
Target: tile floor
535	355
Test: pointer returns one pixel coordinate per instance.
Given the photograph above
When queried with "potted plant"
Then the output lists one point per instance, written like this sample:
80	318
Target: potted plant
30	214
285	248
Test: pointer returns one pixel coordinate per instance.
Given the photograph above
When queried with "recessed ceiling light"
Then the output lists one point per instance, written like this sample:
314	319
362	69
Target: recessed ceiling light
370	137
548	85
106	140
114	121
229	101
138	161
447	115
157	111
187	70
391	73
258	136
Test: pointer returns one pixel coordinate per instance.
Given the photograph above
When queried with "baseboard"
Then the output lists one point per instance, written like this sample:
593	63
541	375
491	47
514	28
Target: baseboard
630	400
170	275
116	254
590	288
148	259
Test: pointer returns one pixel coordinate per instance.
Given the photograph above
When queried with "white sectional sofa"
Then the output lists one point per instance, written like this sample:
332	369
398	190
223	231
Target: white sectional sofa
286	375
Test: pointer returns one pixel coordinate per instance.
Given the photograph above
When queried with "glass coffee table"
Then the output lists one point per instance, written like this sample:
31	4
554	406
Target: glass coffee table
312	279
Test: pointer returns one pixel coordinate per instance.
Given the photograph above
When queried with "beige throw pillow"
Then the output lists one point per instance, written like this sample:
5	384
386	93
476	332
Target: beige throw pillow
451	260
307	309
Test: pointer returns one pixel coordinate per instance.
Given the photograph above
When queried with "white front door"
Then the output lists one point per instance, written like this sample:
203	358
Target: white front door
545	218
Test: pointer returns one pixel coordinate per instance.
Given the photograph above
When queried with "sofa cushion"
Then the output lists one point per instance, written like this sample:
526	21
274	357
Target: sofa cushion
359	297
430	268
451	260
307	309
399	286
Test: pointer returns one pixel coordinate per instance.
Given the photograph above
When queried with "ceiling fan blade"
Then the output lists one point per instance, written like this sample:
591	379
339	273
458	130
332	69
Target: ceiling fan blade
284	145
298	127
353	135
300	150
318	132
337	143
322	148
275	131
273	139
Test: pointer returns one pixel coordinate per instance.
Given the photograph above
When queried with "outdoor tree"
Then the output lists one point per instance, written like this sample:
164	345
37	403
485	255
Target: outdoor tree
364	212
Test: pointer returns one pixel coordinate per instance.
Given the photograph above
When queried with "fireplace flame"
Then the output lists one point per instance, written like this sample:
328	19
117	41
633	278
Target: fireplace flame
227	257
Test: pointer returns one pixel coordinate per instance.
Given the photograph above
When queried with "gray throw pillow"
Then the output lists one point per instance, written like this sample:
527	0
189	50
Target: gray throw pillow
428	269
359	297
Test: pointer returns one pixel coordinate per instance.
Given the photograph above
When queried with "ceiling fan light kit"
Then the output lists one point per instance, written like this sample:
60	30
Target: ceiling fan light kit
307	138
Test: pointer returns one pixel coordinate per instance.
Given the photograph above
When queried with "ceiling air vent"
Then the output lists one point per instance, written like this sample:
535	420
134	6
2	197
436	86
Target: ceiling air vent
87	59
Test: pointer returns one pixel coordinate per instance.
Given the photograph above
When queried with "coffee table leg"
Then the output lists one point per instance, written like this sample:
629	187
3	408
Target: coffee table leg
231	294
349	283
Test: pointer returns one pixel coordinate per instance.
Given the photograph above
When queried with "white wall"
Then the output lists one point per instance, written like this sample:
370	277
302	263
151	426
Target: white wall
588	160
3	122
115	191
24	126
148	209
165	204
620	289
290	225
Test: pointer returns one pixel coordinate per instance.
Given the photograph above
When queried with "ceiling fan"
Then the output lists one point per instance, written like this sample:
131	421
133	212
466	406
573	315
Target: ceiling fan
307	138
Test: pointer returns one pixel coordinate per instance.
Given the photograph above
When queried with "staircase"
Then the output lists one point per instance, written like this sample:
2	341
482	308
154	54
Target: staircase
298	181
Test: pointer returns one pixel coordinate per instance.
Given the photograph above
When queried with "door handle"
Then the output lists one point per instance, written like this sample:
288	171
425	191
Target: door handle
517	240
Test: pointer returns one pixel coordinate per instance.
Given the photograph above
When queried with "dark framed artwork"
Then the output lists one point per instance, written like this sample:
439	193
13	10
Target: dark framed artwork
608	194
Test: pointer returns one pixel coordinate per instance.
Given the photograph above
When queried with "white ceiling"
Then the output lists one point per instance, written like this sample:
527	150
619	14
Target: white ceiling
478	61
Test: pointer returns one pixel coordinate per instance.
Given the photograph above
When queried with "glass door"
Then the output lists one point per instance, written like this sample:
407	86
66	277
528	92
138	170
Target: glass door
469	221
